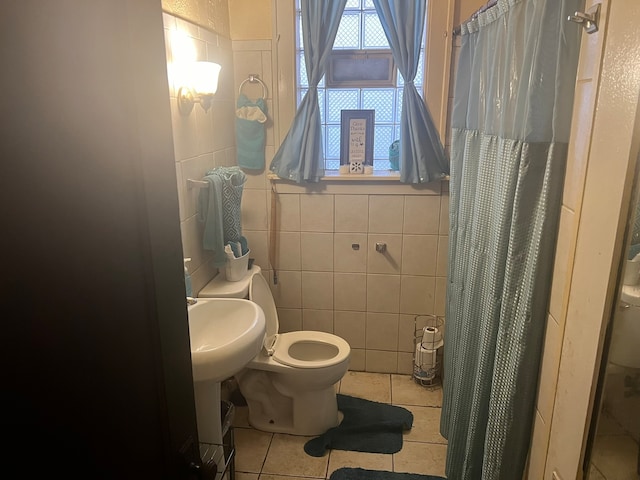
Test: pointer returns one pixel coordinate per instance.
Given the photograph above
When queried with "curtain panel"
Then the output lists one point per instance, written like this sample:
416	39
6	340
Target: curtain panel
300	157
510	130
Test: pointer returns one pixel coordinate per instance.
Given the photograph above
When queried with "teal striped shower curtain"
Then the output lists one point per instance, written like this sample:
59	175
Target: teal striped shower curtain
510	130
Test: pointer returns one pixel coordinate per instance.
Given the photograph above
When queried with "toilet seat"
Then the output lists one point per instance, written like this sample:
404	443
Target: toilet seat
310	349
304	349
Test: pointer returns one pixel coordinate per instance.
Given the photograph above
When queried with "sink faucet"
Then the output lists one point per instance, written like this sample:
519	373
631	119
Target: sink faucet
191	301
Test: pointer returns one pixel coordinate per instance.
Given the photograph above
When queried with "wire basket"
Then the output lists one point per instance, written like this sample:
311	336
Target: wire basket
427	353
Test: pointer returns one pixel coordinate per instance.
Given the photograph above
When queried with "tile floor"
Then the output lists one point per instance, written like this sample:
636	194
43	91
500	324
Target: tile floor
267	456
615	452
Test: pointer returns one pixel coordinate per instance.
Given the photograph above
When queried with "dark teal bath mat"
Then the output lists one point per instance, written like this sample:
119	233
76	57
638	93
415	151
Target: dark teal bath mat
362	474
367	426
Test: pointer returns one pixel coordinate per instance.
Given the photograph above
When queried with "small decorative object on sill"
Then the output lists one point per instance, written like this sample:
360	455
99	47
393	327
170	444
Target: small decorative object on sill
356	141
394	156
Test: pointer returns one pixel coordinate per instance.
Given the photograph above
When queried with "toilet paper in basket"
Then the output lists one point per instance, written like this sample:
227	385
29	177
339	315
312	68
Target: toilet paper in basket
427	352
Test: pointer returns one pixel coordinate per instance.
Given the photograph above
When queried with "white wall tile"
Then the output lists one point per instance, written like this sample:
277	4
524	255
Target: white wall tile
288	214
422	214
345	257
383	293
288	247
288	292
357	360
318	320
406	333
389	261
316	213
381	361
382	331
419	254
317	290
417	294
444	214
290	319
443	256
351	213
351	327
385	213
254	209
350	291
317	251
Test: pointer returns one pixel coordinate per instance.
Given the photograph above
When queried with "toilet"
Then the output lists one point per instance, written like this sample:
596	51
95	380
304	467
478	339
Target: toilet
290	385
623	350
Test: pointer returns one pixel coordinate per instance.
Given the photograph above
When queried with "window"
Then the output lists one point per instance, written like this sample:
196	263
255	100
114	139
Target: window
360	29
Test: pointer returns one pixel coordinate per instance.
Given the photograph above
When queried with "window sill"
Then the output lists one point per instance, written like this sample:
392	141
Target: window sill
334	176
380	182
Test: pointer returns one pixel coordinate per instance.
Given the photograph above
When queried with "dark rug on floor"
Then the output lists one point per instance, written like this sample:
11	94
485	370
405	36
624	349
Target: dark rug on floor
362	474
367	426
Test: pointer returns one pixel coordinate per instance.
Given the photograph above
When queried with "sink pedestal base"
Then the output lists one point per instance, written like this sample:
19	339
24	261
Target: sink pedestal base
207	396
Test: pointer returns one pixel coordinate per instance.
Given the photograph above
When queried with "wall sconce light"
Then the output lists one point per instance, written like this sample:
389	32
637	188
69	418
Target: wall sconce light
203	79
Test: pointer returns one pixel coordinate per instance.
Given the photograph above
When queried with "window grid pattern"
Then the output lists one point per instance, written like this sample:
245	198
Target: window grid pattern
359	28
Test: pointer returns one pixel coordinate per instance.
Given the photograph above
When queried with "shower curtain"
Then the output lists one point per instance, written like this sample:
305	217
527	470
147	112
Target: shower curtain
510	129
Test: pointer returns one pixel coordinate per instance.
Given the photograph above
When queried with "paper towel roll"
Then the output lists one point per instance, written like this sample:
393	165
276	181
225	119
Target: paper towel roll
432	338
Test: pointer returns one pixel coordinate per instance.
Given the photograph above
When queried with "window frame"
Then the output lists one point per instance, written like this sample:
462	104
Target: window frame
437	69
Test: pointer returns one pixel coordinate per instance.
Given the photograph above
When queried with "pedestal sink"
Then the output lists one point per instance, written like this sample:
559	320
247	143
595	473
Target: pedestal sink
225	333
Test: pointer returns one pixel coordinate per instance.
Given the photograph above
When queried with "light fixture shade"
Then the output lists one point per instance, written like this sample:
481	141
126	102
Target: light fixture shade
204	79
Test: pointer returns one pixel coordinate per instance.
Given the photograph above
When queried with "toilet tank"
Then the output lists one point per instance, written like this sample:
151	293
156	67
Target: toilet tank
220	287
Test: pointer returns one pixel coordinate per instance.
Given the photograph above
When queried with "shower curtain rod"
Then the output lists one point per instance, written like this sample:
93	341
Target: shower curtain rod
486	6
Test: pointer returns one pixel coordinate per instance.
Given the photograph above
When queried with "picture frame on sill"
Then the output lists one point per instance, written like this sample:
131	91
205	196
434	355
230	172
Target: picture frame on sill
356	141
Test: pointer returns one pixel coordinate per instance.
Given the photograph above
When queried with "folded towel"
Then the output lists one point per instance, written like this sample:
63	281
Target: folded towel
219	210
250	132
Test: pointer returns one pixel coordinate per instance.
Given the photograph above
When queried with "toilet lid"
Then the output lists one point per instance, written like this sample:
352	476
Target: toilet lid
260	293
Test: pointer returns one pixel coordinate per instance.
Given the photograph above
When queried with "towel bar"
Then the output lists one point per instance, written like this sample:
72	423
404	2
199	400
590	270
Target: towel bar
191	183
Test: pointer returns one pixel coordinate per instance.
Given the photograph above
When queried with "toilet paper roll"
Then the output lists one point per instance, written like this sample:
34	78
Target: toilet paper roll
426	358
431	338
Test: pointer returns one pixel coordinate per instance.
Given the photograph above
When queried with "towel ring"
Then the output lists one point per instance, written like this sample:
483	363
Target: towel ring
253	78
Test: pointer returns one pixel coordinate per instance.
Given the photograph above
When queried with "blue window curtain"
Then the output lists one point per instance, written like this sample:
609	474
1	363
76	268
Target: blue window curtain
510	131
422	157
301	157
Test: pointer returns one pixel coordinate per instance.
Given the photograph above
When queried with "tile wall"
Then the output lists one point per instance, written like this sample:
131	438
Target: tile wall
324	282
202	139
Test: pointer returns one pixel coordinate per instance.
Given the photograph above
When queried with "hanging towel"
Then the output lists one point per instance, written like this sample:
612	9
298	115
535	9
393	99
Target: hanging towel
250	132
219	210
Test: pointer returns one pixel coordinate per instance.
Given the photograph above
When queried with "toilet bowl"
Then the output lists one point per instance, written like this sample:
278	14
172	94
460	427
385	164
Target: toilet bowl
290	385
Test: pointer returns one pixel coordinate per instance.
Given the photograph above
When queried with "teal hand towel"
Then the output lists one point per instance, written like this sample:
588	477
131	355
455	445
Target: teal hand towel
219	208
250	132
210	214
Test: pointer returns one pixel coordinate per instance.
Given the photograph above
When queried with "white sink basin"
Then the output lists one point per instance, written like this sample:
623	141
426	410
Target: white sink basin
226	333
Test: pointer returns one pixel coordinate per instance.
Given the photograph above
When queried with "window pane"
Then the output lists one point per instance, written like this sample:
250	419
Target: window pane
374	36
333	142
397	133
349	31
380	100
301	93
332	164
340	100
303	81
420	73
382	140
299	32
321	103
352	4
399	92
381	164
369	4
